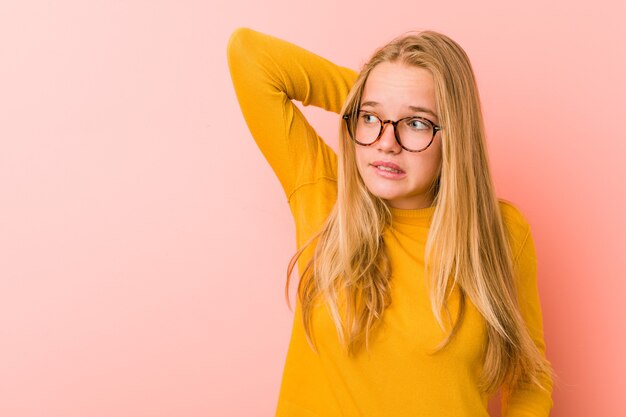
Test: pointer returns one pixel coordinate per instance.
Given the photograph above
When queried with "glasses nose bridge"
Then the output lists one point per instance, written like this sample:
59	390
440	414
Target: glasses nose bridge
394	124
384	122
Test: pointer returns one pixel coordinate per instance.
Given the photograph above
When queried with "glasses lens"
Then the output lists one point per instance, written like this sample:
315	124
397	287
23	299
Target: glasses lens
367	128
415	134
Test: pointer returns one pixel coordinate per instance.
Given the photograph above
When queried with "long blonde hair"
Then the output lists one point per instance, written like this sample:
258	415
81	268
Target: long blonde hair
467	244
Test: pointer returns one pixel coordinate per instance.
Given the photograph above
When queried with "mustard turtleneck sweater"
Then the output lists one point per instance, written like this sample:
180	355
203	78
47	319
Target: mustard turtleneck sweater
395	377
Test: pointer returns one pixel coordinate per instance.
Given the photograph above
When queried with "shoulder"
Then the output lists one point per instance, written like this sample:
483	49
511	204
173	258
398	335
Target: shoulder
516	225
512	215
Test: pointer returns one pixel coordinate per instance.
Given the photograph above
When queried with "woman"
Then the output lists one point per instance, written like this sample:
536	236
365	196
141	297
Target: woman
417	294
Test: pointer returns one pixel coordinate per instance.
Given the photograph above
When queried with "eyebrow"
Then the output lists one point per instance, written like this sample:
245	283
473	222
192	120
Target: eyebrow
414	108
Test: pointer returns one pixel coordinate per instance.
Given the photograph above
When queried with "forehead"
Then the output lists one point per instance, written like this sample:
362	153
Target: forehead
396	87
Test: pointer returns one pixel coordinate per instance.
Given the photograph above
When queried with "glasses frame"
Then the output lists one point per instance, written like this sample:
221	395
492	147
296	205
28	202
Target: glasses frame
348	118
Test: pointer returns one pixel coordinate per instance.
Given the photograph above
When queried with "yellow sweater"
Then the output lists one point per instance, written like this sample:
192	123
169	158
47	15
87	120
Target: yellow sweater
395	377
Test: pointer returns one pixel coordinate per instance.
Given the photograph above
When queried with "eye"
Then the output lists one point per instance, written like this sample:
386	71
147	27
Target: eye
368	118
418	124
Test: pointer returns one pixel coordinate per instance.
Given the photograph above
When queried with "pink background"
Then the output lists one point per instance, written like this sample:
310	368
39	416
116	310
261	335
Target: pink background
136	274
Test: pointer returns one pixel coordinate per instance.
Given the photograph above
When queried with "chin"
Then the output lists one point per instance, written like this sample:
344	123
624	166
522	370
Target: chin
384	192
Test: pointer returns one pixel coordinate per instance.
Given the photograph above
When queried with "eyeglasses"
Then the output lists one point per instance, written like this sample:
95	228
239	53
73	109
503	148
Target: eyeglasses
412	133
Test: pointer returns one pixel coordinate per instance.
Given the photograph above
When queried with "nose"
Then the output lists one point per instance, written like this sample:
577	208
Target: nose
387	141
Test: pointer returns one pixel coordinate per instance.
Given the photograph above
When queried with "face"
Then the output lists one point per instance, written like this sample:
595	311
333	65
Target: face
389	92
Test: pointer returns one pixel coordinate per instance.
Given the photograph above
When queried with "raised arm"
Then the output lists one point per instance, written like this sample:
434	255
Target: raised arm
529	400
267	74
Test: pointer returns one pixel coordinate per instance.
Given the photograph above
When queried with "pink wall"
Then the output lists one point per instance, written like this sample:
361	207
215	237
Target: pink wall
135	274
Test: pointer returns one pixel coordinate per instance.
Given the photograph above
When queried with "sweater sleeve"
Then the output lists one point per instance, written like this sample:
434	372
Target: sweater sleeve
267	74
529	400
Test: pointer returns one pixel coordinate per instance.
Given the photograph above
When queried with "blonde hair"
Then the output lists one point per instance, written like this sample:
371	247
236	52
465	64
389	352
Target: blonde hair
467	243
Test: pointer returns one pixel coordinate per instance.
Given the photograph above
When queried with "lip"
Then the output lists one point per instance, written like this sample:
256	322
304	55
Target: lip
388	174
388	165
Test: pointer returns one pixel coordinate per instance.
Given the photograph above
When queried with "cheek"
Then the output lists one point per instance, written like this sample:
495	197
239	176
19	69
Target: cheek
435	157
439	158
425	167
435	164
360	160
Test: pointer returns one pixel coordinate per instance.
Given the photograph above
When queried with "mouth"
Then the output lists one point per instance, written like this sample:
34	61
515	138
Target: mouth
388	173
387	167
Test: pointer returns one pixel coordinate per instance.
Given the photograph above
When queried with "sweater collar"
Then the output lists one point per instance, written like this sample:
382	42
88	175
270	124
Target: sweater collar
419	216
